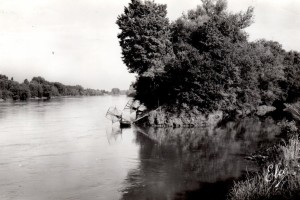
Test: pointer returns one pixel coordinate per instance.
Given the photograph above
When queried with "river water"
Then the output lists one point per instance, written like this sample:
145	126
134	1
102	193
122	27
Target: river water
65	149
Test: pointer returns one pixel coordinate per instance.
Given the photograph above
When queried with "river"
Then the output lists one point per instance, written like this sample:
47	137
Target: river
65	149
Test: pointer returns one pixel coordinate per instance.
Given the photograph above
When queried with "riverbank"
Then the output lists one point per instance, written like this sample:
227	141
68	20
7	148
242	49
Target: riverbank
279	175
52	97
163	117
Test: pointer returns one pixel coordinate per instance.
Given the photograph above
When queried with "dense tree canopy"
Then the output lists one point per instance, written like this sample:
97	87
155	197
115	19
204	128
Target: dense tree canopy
204	59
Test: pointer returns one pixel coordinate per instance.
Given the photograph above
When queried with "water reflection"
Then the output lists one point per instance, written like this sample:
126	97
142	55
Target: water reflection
66	149
114	134
194	163
58	149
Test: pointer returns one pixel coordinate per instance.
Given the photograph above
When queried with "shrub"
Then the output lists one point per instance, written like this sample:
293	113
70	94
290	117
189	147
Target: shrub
288	129
277	181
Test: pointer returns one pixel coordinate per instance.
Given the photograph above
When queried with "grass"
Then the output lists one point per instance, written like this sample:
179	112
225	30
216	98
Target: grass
279	180
291	151
280	176
294	109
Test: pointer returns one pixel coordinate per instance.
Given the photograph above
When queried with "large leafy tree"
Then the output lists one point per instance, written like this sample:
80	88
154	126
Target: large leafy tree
205	43
145	37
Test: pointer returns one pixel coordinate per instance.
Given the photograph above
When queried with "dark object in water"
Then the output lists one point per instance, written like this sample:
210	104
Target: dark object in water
115	115
125	124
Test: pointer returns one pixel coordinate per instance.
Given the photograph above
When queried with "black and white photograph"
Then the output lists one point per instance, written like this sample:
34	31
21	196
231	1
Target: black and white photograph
149	100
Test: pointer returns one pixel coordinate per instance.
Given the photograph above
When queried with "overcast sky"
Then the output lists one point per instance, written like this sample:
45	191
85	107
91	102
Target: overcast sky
75	41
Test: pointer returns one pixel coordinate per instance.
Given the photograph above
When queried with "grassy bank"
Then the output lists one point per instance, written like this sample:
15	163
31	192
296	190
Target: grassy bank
279	177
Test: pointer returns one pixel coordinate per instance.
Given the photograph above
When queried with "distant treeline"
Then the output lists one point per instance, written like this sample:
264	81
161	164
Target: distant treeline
38	87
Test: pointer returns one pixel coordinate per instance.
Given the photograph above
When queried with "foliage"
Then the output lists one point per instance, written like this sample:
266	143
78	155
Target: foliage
294	109
292	72
131	92
204	59
145	36
288	129
278	181
115	91
38	87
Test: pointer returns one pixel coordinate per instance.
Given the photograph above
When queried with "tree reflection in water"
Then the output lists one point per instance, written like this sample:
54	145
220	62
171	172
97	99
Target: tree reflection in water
191	163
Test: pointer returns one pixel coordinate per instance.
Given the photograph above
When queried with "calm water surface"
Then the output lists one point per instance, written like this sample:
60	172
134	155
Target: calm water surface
65	149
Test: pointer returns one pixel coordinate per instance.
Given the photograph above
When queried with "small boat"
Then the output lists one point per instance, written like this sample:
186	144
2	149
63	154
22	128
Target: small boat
125	123
115	115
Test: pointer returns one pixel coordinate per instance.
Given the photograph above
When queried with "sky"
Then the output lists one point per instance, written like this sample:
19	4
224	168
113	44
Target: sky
75	41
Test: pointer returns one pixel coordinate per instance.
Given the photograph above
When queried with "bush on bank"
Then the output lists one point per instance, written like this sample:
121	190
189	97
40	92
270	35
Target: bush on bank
279	180
279	177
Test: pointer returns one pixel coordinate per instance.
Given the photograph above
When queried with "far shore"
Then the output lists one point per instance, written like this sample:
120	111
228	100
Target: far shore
57	97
